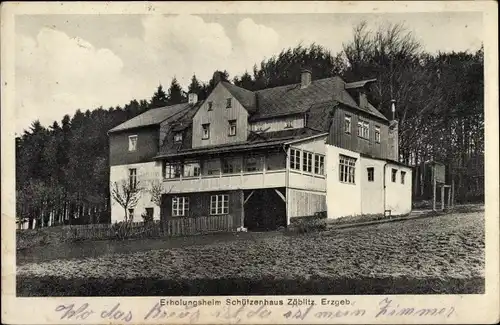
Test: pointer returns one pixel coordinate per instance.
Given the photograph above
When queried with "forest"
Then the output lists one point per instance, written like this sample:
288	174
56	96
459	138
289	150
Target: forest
63	168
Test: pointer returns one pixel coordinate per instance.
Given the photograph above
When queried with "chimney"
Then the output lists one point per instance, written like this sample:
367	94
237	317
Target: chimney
393	140
393	109
217	77
192	98
305	78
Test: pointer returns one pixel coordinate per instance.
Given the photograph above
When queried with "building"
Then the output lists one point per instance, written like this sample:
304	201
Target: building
261	158
364	175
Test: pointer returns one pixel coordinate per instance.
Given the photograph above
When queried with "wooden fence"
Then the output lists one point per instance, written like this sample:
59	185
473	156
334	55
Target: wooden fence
172	227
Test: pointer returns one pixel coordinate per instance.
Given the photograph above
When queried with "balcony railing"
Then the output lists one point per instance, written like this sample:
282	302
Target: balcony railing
221	181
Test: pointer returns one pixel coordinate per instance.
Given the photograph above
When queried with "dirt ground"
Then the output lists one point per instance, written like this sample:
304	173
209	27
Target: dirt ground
444	247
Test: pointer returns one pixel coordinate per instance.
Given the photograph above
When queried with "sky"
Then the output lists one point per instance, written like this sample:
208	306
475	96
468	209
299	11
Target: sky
69	62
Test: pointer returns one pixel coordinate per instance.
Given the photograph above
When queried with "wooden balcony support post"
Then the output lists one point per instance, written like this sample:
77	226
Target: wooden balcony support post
442	197
242	216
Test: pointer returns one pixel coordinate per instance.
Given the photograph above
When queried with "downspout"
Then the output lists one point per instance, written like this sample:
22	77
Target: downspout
385	165
287	180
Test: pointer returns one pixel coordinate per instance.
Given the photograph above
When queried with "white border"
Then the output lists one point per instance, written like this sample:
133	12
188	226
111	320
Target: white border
469	308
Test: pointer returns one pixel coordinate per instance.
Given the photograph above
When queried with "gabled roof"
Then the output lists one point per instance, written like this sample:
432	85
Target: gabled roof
359	84
292	99
152	117
244	96
184	120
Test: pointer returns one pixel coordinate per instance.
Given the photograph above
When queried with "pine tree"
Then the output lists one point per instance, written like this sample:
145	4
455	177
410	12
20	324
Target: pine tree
175	93
195	86
159	98
245	81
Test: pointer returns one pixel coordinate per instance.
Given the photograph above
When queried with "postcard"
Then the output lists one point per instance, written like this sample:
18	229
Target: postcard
250	162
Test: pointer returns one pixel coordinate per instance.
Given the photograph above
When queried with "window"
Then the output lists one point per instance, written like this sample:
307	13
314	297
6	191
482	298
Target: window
205	131
295	159
371	174
228	102
307	161
275	161
231	165
130	214
377	134
178	137
172	170
180	206
288	125
346	169
363	130
394	173
150	212
210	104
347	124
219	204
319	164
403	174
253	163
232	128
132	143
132	178
191	169
211	167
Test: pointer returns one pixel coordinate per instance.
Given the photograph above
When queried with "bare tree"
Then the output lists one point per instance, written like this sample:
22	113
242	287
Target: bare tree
155	190
126	194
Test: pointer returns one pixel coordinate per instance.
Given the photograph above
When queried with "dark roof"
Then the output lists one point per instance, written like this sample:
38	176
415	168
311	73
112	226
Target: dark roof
391	161
151	117
185	119
320	115
359	84
283	134
181	123
255	141
290	99
244	96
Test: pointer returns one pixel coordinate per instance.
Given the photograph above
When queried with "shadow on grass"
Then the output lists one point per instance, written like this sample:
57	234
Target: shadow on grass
57	286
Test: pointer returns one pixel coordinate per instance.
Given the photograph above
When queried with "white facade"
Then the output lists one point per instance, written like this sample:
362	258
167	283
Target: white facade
147	174
359	193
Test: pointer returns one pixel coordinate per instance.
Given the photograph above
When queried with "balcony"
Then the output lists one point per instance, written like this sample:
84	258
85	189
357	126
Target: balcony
224	182
235	172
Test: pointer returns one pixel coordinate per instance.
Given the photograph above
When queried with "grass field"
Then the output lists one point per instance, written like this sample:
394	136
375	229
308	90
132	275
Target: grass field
442	254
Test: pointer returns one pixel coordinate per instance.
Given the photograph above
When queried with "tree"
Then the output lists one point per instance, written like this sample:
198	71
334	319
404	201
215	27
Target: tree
245	81
159	98
195	86
175	93
285	68
155	190
392	55
127	195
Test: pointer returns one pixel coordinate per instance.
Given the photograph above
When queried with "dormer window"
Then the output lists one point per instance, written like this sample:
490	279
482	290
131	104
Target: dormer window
377	134
205	131
210	104
228	103
178	136
347	124
232	128
132	143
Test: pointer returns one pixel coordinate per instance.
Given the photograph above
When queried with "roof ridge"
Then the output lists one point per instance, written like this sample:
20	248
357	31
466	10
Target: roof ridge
298	83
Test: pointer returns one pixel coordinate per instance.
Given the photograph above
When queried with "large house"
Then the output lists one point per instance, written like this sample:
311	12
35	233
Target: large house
264	157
